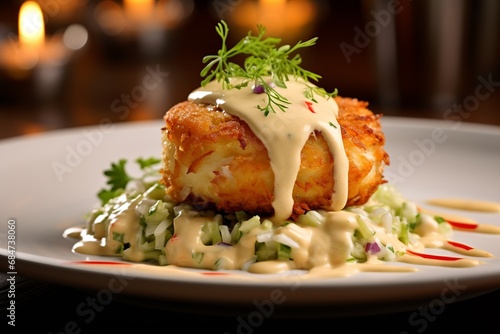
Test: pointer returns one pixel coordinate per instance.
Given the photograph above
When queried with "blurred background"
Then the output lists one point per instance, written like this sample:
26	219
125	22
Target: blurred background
83	62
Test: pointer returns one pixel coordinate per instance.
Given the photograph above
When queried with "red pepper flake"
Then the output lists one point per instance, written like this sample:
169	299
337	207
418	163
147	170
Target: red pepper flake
459	245
434	257
309	106
102	262
465	226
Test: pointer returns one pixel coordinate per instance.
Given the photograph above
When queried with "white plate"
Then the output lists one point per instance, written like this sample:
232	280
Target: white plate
50	181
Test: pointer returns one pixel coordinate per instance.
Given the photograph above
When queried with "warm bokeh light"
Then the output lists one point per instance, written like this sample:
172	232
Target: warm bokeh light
31	26
141	16
75	36
139	11
109	17
172	12
290	19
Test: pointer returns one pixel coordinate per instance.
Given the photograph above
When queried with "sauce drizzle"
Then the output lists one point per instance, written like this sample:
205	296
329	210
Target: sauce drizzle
324	249
290	129
466	204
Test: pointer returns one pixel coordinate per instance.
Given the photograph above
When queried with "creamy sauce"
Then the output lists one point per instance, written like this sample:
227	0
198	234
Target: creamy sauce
321	250
290	130
74	232
327	245
350	269
186	249
460	263
464	223
123	221
468	251
489	229
466	204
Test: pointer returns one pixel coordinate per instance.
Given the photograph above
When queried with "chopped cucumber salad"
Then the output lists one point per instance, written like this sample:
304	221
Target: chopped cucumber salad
137	221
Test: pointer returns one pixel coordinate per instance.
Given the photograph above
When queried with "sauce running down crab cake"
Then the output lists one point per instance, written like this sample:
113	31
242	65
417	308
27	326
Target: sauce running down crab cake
214	159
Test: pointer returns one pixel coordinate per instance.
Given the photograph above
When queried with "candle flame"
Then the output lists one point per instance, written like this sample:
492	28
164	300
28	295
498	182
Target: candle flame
31	26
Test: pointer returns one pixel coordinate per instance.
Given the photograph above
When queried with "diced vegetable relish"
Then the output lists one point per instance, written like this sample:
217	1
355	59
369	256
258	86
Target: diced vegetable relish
142	224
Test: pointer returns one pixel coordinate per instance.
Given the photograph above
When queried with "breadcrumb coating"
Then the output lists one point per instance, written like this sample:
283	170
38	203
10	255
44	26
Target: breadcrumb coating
213	160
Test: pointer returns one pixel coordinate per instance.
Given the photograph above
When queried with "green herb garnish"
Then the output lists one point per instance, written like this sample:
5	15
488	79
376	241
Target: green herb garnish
332	125
264	58
145	163
311	90
439	219
118	177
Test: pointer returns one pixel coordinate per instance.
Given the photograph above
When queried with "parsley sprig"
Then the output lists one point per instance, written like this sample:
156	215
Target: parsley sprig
118	177
264	58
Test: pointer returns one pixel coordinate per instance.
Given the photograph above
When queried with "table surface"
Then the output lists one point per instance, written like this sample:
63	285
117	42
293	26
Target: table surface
56	310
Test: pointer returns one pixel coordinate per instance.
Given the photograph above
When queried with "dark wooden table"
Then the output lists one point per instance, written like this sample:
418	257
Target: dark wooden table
51	308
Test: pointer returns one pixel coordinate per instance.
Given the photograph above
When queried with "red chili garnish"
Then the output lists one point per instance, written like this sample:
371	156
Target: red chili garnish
309	106
455	224
434	257
465	226
459	245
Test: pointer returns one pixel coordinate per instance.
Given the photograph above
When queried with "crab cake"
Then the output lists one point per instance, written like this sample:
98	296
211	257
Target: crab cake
212	159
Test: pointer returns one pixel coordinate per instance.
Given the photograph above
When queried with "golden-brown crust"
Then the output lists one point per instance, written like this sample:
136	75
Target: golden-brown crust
213	159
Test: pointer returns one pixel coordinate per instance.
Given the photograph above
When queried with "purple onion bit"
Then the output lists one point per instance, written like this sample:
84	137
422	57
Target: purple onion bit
259	89
372	248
